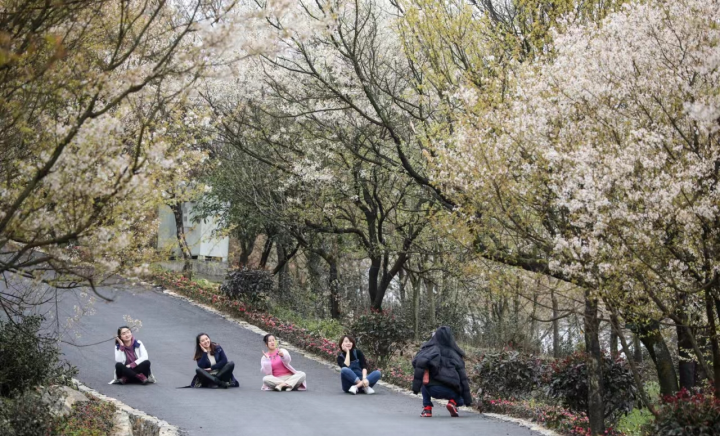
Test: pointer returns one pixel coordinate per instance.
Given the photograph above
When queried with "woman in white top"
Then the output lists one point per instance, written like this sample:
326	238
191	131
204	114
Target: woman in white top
131	359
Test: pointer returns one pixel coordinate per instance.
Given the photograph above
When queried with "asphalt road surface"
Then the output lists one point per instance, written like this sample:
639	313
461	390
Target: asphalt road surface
169	327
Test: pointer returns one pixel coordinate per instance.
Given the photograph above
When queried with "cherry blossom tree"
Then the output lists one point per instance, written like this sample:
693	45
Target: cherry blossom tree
90	91
603	158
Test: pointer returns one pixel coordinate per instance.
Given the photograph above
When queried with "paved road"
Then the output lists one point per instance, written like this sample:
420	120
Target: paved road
169	326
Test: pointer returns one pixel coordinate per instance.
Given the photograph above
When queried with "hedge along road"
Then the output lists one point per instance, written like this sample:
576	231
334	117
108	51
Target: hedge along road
169	327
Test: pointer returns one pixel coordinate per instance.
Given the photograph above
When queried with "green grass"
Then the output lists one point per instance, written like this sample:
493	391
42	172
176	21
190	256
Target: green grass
633	423
327	328
206	283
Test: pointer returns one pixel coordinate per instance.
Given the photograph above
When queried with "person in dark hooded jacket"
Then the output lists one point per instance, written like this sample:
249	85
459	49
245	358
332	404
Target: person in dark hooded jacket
440	373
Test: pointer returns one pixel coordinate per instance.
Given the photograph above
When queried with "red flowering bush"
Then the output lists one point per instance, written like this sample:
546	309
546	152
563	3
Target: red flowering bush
398	375
687	414
557	418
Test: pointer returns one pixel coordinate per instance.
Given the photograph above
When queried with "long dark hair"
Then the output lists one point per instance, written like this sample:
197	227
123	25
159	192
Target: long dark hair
123	327
134	341
351	339
199	351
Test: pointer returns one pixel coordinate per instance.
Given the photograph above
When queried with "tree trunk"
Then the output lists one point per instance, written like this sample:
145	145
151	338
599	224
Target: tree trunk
615	326
613	344
715	347
686	365
555	325
247	245
416	305
660	354
334	284
533	322
267	249
284	279
596	408
373	274
182	241
431	301
637	349
403	278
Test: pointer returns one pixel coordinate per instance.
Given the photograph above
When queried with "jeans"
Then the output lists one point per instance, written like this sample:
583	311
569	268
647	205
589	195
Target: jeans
348	377
224	374
131	373
441	393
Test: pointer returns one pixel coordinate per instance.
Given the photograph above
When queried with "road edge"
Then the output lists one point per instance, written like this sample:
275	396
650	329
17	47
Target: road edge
255	329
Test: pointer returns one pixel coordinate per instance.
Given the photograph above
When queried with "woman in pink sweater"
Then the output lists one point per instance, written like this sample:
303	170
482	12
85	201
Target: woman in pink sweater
279	374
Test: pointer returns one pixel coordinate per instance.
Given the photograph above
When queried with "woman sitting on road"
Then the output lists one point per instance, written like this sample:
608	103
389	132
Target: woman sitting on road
440	373
131	359
353	368
213	369
280	375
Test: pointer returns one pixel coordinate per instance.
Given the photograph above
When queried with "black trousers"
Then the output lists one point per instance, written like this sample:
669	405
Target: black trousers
131	373
225	375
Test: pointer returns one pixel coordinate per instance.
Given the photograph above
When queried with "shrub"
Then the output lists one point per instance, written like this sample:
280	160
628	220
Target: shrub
562	420
510	374
251	286
379	333
570	385
685	414
28	358
26	414
91	418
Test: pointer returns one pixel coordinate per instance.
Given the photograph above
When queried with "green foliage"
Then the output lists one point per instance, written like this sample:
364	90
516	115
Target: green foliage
251	286
26	414
29	358
510	374
91	418
633	423
378	333
569	384
327	328
685	414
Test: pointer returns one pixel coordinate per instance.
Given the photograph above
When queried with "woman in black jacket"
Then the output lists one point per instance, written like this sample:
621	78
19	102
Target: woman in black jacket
354	375
213	366
440	373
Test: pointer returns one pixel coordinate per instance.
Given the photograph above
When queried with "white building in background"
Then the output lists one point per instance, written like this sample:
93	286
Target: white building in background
200	236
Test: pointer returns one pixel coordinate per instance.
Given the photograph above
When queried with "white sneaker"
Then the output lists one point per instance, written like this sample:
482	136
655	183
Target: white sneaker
353	389
369	390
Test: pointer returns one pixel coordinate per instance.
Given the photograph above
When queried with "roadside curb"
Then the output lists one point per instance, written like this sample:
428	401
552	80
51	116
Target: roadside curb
141	424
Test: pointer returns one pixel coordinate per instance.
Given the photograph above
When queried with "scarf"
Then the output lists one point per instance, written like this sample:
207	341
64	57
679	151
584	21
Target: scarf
129	351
